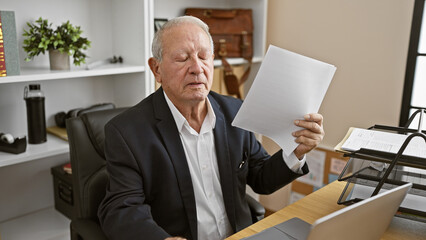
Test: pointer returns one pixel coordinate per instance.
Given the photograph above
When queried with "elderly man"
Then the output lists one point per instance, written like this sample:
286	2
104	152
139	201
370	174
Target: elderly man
177	168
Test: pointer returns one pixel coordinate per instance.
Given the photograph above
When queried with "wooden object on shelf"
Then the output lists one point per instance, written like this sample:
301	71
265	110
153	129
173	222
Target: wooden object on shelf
219	82
232	33
59	132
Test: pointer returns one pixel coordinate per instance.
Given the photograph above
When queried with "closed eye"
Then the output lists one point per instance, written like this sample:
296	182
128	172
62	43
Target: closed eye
181	59
203	56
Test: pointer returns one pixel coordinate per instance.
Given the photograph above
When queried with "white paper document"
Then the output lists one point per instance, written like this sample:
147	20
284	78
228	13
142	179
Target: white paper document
384	141
316	163
287	86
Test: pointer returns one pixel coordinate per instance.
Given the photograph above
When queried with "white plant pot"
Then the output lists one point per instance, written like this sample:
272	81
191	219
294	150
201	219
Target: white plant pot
58	60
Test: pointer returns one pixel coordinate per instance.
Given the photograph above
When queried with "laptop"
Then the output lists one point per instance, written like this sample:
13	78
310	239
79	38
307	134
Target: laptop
367	219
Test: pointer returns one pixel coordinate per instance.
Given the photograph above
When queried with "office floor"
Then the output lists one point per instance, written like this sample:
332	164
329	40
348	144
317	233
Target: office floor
46	224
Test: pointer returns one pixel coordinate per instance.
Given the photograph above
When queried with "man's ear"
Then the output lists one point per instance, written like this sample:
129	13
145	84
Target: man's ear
154	65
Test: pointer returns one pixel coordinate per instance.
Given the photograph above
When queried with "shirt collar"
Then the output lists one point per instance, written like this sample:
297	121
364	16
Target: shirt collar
180	120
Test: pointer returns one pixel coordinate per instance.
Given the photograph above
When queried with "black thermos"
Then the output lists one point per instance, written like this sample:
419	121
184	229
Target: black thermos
36	120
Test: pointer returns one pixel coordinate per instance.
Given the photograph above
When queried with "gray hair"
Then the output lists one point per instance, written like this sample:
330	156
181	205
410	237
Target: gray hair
157	43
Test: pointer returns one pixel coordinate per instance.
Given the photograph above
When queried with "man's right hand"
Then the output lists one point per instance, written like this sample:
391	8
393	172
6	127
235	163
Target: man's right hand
175	238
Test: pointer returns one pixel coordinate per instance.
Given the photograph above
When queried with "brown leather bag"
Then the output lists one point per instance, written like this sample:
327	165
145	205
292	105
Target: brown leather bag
232	33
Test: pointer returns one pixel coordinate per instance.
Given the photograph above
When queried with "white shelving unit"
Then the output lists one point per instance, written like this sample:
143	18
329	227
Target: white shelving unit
115	27
237	61
54	146
42	74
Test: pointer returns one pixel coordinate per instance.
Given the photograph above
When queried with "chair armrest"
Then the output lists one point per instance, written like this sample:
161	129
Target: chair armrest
256	209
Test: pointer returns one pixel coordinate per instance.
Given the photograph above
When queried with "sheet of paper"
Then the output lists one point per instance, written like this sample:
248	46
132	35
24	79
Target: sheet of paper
337	165
384	141
287	86
316	163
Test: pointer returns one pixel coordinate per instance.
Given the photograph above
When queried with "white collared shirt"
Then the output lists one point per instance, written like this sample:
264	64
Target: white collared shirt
200	152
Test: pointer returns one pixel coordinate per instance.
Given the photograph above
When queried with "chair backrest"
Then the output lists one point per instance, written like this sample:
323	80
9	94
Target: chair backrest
86	139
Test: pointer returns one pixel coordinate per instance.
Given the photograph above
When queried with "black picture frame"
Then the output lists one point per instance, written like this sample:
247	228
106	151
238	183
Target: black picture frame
159	22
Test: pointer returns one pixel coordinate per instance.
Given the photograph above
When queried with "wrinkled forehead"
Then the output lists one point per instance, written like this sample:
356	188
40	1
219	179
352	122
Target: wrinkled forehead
185	35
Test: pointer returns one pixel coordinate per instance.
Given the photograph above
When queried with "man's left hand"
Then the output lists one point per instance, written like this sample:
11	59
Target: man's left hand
309	137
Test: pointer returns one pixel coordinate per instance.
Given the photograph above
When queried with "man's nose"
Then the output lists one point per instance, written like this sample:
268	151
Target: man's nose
195	66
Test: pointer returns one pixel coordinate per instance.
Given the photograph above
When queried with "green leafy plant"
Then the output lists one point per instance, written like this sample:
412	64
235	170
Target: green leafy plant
66	38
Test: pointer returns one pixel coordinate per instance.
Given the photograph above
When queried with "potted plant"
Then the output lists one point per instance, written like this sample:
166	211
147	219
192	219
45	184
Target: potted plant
63	42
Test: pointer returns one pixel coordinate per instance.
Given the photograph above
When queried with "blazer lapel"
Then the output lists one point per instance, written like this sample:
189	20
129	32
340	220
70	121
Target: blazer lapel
167	128
224	162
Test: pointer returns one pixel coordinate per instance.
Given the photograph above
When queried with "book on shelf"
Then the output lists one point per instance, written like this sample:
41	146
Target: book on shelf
9	53
2	59
67	168
357	138
58	131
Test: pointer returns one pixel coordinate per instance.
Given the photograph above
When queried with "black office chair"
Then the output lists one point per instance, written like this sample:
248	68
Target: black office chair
86	138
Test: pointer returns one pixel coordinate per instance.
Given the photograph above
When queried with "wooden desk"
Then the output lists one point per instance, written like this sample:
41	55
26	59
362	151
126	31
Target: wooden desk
323	202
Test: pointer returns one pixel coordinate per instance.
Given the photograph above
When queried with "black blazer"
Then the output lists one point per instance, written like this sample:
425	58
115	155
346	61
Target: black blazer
150	193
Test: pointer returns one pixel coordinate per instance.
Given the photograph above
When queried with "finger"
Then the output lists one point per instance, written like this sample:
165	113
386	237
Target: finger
309	134
308	142
315	117
312	126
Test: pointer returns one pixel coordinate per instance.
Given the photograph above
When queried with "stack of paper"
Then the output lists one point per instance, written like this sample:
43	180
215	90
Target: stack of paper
358	138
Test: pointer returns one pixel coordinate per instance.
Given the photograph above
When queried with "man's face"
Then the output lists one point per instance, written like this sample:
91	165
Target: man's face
186	69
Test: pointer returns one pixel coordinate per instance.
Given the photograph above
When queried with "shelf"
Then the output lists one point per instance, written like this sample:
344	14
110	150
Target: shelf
41	74
54	146
40	225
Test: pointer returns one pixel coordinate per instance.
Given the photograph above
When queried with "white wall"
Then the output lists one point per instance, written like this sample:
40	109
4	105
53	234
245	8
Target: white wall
367	40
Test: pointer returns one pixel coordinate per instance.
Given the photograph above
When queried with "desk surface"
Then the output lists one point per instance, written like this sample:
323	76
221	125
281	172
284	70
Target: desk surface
323	202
